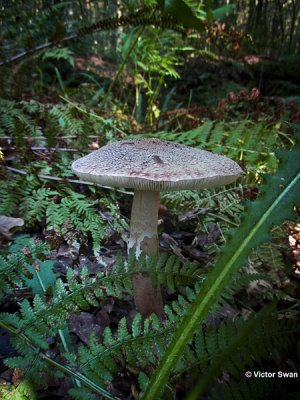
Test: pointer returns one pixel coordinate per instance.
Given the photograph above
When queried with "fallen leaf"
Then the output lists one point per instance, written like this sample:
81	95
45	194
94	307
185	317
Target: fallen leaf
16	376
83	324
167	242
68	251
7	223
192	214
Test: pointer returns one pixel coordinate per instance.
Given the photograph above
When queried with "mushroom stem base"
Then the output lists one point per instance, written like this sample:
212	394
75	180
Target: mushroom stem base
147	298
143	237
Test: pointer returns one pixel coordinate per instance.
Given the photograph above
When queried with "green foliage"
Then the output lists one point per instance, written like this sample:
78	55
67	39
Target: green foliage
167	269
11	194
155	59
223	12
79	213
56	54
45	195
184	200
221	207
174	14
11	267
13	121
139	343
70	123
233	349
42	277
277	199
101	361
269	253
144	17
183	13
60	207
270	257
23	391
22	264
252	143
42	319
63	210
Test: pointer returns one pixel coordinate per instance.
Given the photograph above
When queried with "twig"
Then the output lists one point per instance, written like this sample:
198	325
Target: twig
17	171
34	50
42	137
131	19
41	148
122	66
76	181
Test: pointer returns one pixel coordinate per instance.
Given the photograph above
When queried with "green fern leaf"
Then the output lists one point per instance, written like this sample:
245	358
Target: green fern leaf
278	196
136	325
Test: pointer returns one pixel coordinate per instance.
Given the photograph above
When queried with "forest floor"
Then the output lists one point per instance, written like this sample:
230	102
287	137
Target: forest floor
179	231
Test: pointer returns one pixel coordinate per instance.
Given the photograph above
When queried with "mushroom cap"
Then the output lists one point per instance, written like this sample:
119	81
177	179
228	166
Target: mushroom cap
157	165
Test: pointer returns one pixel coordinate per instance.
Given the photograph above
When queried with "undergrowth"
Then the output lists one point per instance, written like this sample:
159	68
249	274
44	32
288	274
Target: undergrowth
231	312
251	143
42	190
136	344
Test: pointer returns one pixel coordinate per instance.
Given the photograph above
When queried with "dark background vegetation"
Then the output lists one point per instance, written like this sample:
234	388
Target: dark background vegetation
75	75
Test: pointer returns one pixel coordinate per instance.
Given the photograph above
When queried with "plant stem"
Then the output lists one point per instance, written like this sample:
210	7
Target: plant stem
65	369
122	66
143	237
56	178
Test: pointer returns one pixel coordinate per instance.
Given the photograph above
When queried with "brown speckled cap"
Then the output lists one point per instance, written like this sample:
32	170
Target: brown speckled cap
157	165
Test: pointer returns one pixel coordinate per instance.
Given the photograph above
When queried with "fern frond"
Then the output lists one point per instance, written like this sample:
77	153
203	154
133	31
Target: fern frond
138	18
23	391
66	119
82	292
232	348
82	394
249	142
278	195
37	363
166	269
271	255
16	268
259	389
37	204
59	53
10	272
222	208
14	121
12	194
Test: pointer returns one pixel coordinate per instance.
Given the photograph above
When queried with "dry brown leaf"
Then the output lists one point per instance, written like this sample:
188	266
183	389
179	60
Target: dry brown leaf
7	223
16	376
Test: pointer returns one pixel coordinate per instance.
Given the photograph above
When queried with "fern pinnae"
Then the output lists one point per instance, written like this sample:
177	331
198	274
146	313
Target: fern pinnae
44	358
233	349
138	18
138	345
260	389
281	194
247	141
125	347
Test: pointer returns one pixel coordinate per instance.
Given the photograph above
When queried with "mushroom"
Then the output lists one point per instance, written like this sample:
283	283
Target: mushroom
150	166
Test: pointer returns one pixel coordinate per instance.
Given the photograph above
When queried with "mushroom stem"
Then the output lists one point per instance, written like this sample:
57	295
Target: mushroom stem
143	237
